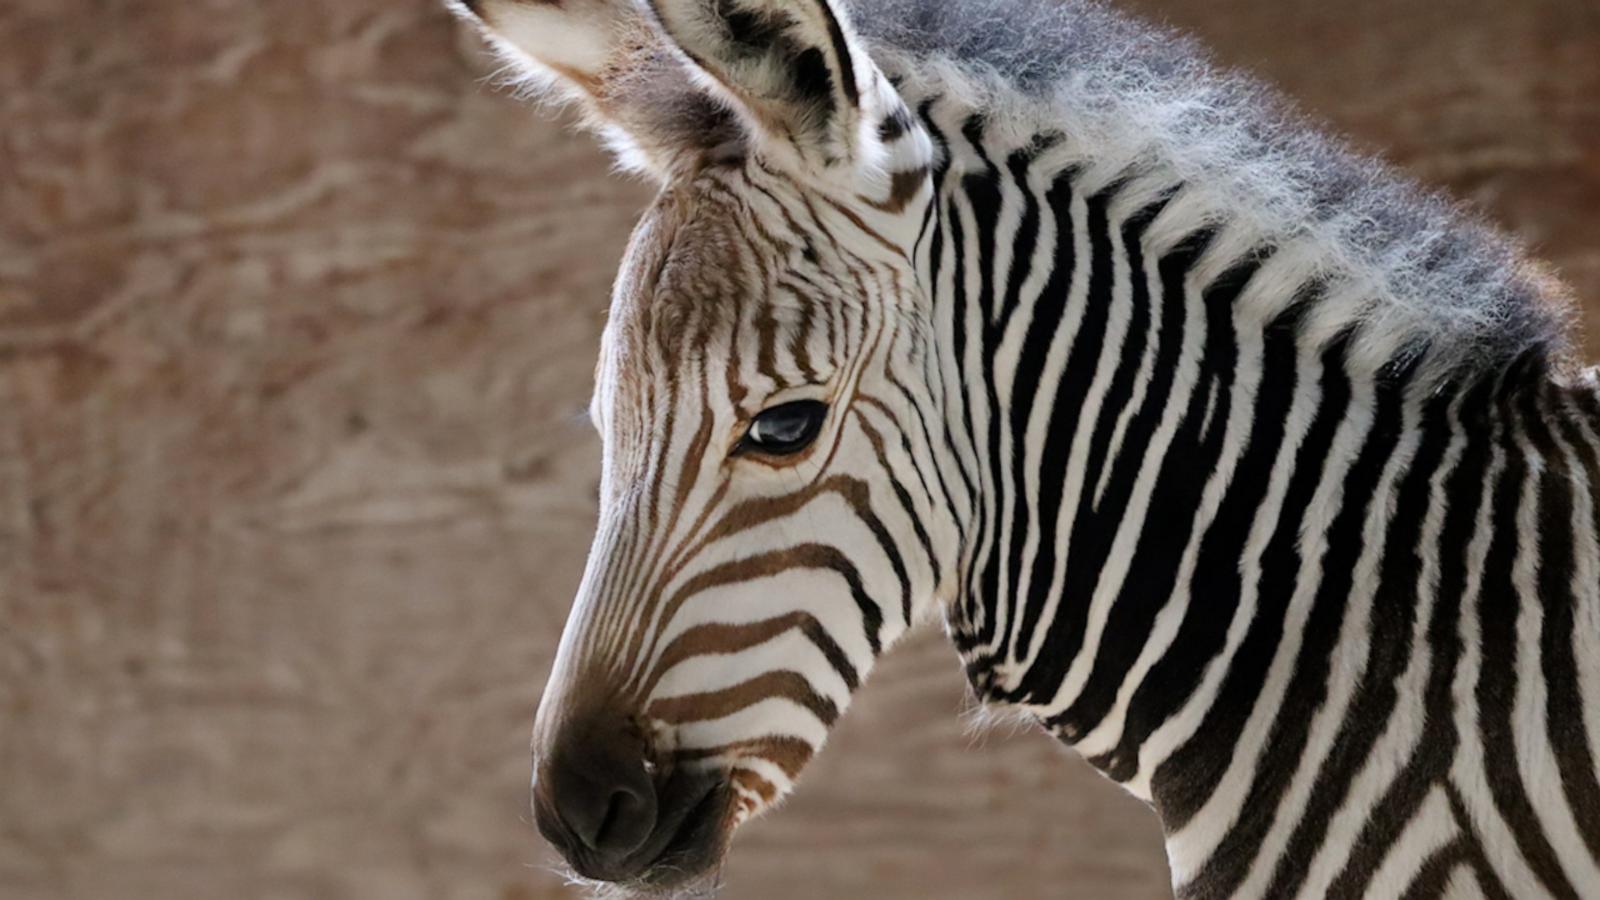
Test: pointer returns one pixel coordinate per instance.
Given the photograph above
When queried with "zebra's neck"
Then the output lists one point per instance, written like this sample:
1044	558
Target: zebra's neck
1272	502
1216	522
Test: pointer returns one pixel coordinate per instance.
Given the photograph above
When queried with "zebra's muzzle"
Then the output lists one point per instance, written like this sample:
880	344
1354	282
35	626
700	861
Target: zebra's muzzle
617	820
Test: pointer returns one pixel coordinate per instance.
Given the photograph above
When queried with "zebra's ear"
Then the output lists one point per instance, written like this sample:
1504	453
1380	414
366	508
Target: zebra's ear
611	58
796	71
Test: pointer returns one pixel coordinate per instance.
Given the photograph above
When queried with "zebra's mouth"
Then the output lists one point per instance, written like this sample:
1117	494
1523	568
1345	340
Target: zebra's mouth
691	835
683	855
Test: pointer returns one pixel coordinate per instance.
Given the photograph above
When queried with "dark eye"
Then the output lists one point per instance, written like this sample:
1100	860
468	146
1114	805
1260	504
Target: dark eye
785	429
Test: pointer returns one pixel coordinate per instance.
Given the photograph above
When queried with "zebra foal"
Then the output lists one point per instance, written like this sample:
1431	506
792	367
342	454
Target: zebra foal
1247	470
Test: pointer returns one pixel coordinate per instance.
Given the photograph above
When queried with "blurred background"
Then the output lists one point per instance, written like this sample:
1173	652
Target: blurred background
297	319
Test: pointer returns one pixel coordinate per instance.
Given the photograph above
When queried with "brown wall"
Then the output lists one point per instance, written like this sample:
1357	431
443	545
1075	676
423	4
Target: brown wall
296	319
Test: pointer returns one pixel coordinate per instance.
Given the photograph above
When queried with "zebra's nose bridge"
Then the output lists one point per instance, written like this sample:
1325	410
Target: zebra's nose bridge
600	640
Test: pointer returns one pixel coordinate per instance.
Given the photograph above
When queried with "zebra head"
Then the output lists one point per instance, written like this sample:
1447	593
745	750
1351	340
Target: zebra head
765	395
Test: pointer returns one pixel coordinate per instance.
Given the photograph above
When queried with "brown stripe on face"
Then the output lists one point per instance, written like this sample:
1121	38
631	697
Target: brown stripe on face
624	572
685	550
766	326
752	513
755	784
902	429
903	495
698	446
820	557
801	192
783	210
662	528
668	557
712	705
800	336
741	517
837	342
630	420
864	228
643	641
704	640
787	753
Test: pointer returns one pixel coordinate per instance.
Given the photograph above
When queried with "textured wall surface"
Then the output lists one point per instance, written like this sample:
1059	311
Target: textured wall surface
296	320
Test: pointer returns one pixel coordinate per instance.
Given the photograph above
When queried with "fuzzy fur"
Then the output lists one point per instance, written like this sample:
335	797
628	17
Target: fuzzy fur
1405	268
1413	269
1404	271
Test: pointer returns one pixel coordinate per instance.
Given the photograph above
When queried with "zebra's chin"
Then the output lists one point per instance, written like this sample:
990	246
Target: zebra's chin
667	881
703	887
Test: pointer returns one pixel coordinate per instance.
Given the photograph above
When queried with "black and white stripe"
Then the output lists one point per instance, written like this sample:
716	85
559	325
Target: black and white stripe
1333	616
1247	470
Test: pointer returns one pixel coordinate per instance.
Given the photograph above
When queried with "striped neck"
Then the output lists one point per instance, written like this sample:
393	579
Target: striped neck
1219	545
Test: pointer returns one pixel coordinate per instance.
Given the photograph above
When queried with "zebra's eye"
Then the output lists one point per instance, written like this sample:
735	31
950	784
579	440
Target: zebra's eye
785	429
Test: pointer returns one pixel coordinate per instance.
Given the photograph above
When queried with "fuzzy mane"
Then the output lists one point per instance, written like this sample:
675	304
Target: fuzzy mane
1421	270
1402	268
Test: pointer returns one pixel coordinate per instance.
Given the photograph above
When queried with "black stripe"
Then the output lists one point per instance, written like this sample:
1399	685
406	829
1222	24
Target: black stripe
1488	879
1091	530
1026	239
907	505
1579	441
1564	709
1186	467
1036	343
1028	375
1215	584
963	377
863	497
1186	779
841	54
1496	691
1429	765
894	125
832	652
1120	392
982	193
1077	375
982	190
936	214
1433	876
1390	636
1308	686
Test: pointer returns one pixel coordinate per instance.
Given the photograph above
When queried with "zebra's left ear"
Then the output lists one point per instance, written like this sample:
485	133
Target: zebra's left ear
797	72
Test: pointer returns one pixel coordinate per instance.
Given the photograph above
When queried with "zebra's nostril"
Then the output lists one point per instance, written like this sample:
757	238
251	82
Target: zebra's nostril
617	818
616	832
595	800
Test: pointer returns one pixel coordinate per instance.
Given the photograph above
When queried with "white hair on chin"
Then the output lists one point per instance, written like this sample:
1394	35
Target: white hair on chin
705	887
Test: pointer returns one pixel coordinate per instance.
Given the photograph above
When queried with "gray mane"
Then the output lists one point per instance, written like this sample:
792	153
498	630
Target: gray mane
1426	269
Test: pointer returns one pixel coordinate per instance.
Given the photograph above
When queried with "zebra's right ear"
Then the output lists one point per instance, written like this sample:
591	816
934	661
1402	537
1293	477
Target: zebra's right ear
613	61
803	81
